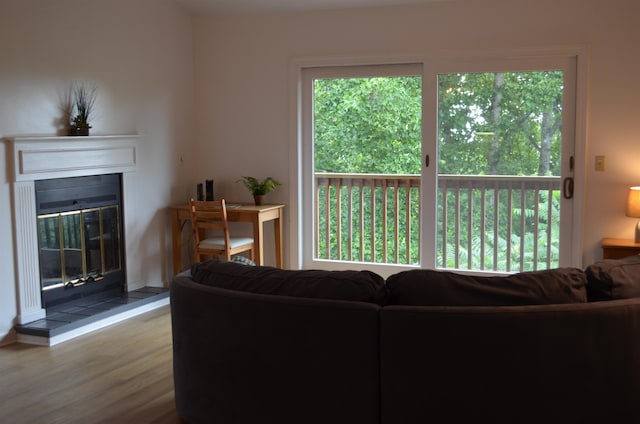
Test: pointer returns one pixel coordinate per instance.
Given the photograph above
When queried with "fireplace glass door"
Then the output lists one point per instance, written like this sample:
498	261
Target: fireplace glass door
79	246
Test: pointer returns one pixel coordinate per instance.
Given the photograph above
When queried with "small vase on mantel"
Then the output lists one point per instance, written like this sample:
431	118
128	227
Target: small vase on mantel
80	131
82	100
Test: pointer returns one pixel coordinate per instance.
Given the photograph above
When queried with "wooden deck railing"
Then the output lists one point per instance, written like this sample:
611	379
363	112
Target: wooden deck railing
499	223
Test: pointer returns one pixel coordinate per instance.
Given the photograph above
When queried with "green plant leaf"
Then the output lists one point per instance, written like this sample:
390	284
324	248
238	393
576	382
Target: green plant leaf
257	187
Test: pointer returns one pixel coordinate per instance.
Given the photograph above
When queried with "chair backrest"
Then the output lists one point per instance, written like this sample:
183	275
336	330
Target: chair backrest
209	214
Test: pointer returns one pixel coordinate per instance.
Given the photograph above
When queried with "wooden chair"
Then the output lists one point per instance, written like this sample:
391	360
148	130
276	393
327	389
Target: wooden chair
212	215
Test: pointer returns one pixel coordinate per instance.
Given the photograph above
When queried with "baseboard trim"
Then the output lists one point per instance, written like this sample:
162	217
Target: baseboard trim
8	338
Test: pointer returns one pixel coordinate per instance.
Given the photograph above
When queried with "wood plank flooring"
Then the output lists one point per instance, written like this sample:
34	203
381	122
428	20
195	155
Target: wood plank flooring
120	374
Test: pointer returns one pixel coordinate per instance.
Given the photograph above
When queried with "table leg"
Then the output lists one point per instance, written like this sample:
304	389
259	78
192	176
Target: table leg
277	231
176	242
257	241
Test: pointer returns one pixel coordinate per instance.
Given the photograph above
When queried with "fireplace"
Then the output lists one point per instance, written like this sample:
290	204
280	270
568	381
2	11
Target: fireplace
35	165
79	237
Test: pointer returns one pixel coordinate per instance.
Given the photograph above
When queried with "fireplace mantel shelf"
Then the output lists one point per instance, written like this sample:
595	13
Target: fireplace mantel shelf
38	158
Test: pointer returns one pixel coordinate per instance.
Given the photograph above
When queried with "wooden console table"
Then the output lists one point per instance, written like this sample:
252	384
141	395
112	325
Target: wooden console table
257	215
613	248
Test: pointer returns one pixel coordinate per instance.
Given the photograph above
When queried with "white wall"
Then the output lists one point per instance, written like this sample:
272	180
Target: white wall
242	65
139	54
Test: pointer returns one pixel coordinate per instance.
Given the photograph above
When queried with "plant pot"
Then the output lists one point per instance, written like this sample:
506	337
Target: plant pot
258	199
81	131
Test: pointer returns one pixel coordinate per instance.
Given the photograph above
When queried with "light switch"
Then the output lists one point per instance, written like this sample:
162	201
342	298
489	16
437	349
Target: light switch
600	163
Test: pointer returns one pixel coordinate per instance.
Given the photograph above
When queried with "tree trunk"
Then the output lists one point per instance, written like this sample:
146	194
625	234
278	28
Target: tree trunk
546	134
496	109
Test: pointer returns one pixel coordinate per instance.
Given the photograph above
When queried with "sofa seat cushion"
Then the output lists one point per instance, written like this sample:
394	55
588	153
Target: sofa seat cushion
611	279
444	288
359	286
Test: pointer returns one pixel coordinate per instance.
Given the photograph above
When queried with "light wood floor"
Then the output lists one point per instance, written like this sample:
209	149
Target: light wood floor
120	374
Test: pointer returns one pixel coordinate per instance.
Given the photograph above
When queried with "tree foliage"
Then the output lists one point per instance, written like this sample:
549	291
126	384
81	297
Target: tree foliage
500	123
368	125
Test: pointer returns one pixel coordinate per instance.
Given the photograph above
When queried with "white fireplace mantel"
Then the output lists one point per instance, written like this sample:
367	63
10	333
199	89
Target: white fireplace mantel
40	158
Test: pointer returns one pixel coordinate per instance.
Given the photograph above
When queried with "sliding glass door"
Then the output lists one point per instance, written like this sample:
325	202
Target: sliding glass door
449	164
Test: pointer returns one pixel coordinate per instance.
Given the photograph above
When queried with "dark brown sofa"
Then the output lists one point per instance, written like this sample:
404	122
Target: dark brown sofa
261	345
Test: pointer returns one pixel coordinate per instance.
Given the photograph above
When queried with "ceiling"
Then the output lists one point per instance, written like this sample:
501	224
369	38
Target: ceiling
262	6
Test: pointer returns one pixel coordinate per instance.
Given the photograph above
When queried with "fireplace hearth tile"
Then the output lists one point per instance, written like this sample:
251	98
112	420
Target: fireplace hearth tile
79	310
77	313
46	324
99	307
64	317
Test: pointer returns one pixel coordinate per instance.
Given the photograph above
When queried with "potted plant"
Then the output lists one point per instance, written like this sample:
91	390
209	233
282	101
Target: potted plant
259	188
83	101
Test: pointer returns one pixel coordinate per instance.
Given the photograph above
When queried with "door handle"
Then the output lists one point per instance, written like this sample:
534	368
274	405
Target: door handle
567	188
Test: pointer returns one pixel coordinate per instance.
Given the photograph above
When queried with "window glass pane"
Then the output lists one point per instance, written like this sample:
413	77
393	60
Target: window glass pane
367	150
499	167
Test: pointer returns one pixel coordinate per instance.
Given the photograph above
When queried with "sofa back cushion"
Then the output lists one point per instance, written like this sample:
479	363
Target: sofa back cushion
359	286
443	288
610	279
